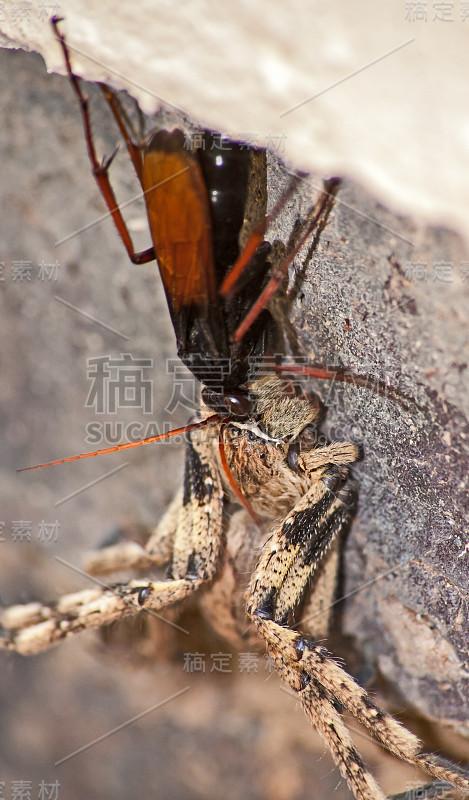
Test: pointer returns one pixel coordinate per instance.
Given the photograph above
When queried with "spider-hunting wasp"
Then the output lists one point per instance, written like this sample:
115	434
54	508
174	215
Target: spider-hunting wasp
255	446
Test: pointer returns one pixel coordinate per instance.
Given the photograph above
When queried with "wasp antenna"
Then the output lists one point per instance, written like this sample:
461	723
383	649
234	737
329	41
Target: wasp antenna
128	445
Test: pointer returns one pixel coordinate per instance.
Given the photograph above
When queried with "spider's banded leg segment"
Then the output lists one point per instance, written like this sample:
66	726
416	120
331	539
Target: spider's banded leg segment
325	715
34	627
288	561
122	557
318	663
329	724
291	556
318	607
197	542
130	556
303	663
322	708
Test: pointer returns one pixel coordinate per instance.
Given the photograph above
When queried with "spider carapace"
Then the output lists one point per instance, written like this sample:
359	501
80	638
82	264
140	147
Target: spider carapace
259	449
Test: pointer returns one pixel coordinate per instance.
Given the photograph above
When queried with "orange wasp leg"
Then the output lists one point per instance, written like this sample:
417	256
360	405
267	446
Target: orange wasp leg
315	220
126	129
323	373
254	241
101	169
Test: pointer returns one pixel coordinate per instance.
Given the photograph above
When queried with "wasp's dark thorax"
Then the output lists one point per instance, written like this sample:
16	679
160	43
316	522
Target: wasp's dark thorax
235	180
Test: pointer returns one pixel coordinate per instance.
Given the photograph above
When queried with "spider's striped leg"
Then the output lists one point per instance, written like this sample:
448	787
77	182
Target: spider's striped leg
310	670
293	554
317	610
33	627
130	556
289	559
